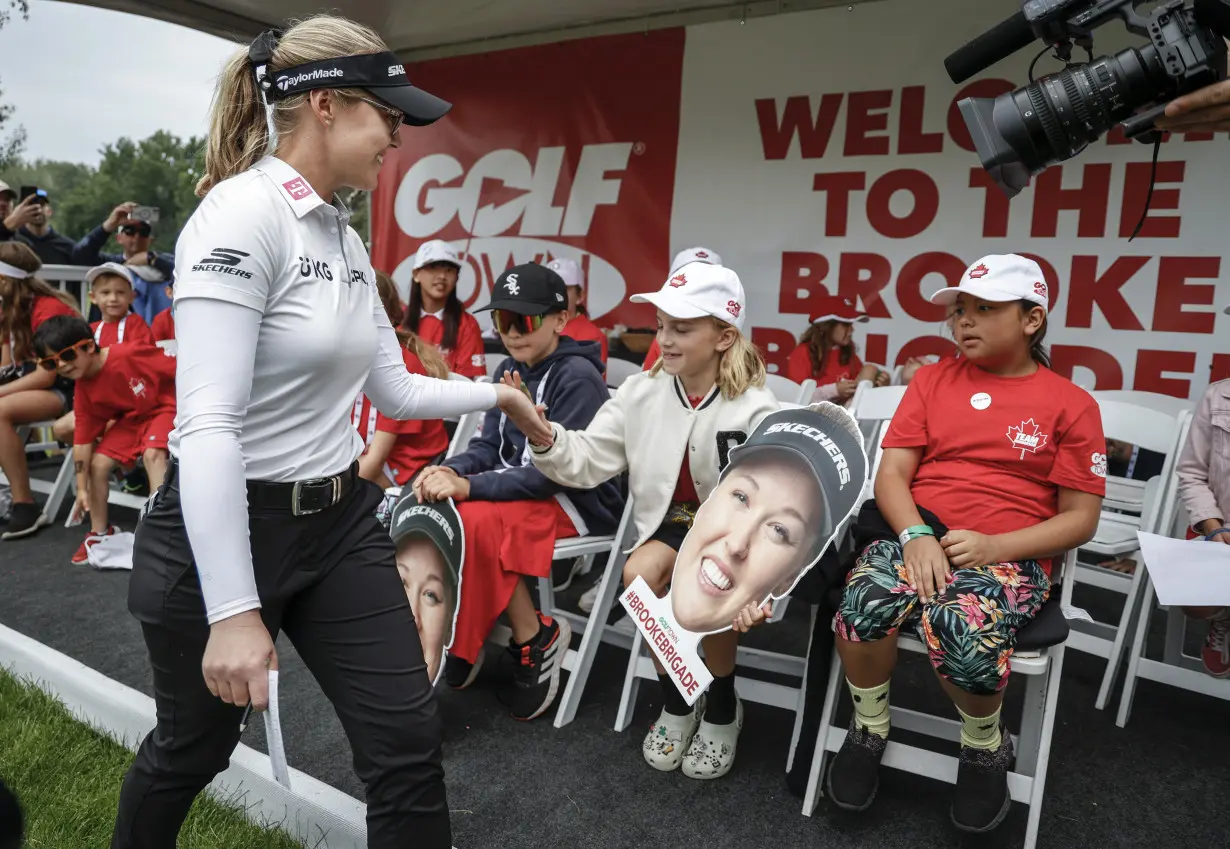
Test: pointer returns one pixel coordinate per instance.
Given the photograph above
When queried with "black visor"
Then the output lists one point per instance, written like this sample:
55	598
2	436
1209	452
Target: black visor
380	74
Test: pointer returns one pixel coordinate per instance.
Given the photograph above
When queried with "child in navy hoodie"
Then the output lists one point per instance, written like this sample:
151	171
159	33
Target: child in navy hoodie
513	513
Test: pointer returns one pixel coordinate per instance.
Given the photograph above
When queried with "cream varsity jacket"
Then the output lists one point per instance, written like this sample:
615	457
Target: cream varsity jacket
645	430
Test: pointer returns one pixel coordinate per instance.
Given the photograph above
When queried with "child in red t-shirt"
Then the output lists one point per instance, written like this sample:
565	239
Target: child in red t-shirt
395	451
111	289
435	312
164	323
827	354
993	467
130	386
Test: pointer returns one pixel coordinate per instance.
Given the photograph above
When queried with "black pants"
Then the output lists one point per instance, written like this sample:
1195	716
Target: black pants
329	580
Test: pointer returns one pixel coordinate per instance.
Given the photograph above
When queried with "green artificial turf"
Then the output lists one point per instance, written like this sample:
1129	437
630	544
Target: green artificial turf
67	776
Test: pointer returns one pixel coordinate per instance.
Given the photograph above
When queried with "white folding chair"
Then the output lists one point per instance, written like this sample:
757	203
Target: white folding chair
59	489
1155	430
618	370
789	392
493	367
1176	668
872	405
1039	658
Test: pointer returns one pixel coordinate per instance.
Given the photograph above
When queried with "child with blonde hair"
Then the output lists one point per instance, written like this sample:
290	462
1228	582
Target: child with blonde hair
672	428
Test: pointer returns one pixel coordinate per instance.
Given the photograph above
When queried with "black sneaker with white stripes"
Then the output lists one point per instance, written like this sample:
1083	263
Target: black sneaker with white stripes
539	664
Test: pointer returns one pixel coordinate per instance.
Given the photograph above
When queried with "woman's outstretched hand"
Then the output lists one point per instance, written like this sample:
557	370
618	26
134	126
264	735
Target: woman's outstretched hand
515	402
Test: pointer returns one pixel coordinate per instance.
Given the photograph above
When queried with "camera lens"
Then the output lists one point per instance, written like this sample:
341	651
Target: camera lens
1054	118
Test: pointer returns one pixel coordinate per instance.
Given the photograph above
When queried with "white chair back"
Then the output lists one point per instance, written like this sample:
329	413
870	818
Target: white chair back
789	392
876	403
618	370
1130	422
1151	400
494	361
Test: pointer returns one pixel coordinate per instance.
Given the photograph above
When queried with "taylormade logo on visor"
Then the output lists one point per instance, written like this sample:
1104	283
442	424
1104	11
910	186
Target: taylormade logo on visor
285	83
830	447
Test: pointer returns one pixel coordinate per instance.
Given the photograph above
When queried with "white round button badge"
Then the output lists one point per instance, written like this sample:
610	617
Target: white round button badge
980	401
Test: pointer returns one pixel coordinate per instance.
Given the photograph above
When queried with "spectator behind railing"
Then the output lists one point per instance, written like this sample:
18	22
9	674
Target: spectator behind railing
1204	486
28	394
151	270
29	222
124	411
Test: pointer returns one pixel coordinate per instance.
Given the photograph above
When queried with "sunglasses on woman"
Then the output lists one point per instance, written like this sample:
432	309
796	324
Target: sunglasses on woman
136	230
506	320
68	355
391	115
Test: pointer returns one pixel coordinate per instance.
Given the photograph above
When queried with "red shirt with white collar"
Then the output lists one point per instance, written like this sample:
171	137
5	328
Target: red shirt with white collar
131	329
468	357
135	380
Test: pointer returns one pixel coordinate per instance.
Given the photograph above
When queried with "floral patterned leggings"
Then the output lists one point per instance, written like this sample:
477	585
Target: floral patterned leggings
970	628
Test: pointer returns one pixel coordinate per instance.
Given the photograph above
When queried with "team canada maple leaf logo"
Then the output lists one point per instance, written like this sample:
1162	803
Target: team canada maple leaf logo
137	387
702	254
678	280
1027	437
733	307
979	270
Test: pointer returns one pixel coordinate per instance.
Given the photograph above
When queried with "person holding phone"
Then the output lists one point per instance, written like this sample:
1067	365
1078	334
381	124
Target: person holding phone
36	231
152	270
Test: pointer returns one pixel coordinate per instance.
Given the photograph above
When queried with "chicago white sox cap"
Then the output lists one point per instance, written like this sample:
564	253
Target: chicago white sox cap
694	255
999	278
698	290
435	251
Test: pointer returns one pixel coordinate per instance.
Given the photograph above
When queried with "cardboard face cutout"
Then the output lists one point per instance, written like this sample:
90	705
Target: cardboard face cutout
778	505
430	542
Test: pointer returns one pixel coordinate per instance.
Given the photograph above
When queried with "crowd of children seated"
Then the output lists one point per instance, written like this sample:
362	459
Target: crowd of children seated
985	517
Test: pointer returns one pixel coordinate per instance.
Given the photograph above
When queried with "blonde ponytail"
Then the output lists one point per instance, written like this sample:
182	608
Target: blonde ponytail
238	132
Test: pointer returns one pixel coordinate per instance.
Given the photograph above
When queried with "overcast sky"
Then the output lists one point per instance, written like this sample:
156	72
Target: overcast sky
80	77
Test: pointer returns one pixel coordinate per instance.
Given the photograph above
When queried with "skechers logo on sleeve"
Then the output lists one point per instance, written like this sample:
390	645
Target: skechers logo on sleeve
224	261
309	267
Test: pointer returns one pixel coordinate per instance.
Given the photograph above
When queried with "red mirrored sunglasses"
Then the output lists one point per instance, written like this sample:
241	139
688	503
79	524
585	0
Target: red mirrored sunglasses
506	320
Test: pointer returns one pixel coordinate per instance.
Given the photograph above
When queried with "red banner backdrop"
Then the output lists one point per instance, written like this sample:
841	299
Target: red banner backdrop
565	150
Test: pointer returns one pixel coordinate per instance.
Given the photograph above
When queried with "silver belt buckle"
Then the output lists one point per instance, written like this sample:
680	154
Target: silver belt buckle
336	480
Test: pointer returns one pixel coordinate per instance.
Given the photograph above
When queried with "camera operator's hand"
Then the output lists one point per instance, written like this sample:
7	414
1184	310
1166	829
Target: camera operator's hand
24	213
1204	110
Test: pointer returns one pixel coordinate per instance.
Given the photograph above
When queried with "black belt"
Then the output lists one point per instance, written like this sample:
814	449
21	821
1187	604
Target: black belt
302	498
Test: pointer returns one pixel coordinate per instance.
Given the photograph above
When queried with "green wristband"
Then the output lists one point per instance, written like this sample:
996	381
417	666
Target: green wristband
914	532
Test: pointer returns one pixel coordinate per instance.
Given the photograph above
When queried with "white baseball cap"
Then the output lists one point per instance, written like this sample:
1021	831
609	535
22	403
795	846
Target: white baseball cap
108	268
699	289
5	188
435	251
568	269
694	255
999	278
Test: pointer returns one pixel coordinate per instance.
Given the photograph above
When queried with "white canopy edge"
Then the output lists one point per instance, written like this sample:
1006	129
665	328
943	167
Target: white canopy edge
233	26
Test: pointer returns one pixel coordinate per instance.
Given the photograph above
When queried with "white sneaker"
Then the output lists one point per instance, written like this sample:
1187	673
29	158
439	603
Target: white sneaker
588	598
712	752
669	738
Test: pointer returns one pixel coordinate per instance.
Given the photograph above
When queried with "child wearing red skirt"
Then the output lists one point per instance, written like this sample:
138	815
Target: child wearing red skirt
511	512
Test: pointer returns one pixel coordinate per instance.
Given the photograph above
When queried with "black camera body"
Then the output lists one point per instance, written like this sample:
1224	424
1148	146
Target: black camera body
1054	118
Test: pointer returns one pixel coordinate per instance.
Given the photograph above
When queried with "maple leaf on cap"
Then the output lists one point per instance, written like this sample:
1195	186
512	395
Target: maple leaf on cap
677	281
979	270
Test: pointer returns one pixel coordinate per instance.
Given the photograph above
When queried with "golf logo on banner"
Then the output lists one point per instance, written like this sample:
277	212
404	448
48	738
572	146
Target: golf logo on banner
779	503
430	540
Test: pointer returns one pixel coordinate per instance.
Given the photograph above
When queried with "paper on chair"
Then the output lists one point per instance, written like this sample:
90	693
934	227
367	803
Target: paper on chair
1187	572
273	735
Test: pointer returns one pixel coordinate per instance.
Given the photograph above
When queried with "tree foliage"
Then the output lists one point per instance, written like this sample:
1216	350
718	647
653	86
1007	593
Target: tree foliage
13	143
